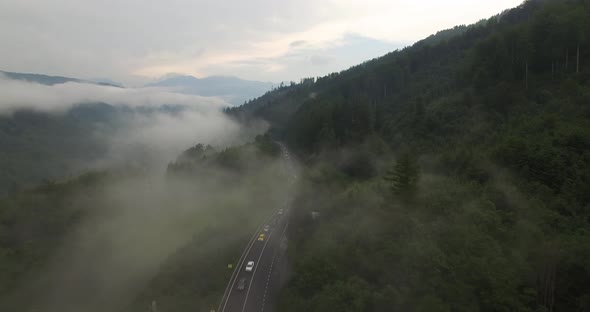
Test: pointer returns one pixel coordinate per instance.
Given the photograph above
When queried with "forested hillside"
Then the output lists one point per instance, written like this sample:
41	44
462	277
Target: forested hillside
50	80
452	175
119	240
39	147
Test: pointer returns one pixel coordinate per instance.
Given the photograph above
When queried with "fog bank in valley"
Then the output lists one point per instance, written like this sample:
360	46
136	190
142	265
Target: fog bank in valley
134	223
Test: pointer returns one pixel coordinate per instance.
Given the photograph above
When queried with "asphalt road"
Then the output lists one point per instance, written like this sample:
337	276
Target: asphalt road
270	263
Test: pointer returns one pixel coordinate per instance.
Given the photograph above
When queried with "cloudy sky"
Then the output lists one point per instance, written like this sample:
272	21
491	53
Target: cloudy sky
133	41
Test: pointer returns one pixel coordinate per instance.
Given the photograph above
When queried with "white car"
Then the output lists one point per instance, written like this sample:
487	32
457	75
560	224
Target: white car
266	228
249	266
281	211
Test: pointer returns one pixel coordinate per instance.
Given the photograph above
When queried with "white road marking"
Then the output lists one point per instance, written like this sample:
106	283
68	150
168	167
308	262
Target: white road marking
235	274
238	266
270	272
254	273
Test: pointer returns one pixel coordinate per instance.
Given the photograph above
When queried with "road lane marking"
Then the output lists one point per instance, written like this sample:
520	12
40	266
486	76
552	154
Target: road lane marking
236	272
239	265
268	281
255	269
270	271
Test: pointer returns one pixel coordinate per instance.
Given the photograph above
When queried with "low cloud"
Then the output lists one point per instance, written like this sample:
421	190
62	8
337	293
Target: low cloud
133	223
18	95
138	224
155	139
148	126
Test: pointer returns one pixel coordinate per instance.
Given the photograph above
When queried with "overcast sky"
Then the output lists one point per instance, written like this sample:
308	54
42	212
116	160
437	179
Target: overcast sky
133	41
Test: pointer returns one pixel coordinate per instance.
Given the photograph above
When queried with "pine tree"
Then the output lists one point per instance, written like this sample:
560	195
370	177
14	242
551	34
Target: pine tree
404	176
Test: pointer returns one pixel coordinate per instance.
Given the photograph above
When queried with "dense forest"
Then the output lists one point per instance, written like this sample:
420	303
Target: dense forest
118	240
452	175
38	147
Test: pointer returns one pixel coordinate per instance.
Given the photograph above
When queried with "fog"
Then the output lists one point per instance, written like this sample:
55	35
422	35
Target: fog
17	94
156	138
150	125
136	222
140	226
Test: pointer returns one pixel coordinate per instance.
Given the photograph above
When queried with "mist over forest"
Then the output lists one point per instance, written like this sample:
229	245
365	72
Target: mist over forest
53	131
449	175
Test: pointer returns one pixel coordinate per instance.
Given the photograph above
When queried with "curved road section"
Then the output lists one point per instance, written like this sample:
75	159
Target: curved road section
256	289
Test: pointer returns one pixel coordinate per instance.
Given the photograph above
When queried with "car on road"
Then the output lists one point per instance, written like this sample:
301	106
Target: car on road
242	283
266	228
281	211
249	266
261	237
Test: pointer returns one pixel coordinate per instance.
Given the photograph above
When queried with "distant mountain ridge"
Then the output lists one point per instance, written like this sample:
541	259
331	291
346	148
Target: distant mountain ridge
52	80
232	89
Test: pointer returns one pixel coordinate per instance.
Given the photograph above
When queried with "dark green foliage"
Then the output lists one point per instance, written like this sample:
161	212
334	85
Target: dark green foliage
33	224
37	146
458	246
236	159
404	176
497	116
267	146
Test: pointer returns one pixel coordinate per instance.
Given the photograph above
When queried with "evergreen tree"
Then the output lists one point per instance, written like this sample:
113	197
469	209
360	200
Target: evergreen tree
404	176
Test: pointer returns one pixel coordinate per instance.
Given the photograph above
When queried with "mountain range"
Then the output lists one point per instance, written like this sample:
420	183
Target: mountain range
52	80
234	90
